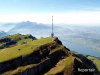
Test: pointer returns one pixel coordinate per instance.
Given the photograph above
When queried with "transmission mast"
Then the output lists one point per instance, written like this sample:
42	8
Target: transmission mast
52	33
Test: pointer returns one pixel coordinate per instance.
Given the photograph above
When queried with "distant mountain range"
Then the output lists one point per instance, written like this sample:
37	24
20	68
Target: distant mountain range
43	29
7	26
2	34
88	36
26	28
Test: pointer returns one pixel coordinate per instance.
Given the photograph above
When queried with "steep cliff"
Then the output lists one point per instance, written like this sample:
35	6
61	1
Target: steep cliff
45	56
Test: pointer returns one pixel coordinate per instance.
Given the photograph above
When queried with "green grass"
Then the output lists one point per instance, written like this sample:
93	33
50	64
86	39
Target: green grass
16	36
19	69
58	48
25	49
65	64
23	68
95	61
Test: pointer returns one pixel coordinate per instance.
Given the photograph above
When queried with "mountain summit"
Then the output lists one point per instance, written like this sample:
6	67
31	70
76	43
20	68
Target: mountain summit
45	56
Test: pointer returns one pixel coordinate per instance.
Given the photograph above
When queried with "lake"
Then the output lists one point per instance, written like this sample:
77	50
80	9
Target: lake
80	48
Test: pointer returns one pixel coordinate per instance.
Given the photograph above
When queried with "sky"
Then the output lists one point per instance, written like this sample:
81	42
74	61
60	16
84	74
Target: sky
64	11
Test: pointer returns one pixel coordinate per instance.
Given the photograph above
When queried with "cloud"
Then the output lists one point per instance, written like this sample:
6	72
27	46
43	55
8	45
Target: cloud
81	17
78	17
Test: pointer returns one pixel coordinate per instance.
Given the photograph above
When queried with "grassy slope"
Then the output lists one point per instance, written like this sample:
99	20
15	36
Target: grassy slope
66	63
19	38
13	52
95	61
23	68
19	69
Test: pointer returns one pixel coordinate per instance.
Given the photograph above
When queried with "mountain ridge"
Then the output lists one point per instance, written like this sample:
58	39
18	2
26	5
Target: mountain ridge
41	57
2	34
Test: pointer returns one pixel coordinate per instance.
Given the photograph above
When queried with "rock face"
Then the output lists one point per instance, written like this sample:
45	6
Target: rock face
43	59
36	58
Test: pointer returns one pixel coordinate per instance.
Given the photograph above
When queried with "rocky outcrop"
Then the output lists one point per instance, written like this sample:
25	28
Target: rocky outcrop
30	36
57	41
44	58
6	42
39	69
11	40
44	52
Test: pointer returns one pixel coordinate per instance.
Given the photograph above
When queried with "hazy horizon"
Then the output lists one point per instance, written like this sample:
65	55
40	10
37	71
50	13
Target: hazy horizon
55	24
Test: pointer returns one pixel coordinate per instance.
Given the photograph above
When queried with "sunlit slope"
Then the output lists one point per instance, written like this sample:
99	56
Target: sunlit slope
11	40
23	49
96	61
45	56
65	64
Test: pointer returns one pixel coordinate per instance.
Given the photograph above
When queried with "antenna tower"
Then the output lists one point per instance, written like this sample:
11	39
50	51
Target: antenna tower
52	34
